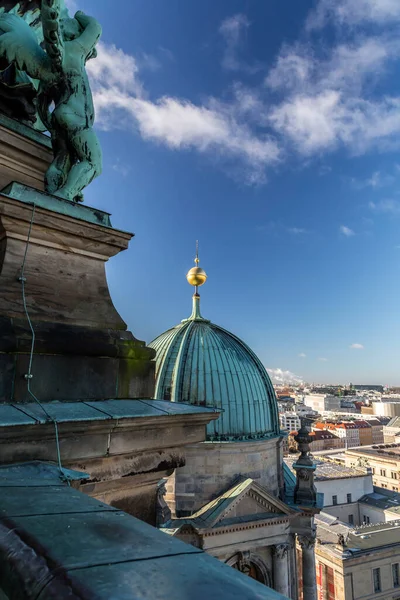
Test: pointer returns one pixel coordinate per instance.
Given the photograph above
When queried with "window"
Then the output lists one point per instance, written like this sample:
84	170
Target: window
376	575
366	520
394	475
383	473
394	488
384	485
334	500
373	470
351	519
348	498
396	575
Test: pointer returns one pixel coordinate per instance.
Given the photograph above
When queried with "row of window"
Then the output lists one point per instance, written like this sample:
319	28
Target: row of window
393	474
376	576
334	499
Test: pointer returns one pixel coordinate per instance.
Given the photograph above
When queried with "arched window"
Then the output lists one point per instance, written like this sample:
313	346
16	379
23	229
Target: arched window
252	565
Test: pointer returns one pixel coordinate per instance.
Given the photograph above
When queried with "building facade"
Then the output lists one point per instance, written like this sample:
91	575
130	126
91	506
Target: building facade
364	432
322	402
348	432
391	431
384	461
322	439
289	421
361	563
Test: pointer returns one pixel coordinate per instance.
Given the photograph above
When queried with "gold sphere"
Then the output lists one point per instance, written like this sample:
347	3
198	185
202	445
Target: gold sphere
196	276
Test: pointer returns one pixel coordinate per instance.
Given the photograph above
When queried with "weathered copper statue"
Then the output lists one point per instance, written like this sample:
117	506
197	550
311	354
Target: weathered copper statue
64	100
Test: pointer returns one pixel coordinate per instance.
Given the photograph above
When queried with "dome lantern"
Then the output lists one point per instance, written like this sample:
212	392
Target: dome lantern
196	276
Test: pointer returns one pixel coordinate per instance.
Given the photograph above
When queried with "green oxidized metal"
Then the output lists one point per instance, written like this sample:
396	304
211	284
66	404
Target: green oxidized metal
59	67
203	364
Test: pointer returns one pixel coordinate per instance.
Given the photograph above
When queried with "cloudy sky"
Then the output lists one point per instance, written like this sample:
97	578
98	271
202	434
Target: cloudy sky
270	131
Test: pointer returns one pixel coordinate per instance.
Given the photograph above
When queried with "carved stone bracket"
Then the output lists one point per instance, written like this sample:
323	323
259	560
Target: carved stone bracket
163	511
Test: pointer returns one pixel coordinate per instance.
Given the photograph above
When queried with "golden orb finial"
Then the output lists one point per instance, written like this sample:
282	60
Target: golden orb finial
196	276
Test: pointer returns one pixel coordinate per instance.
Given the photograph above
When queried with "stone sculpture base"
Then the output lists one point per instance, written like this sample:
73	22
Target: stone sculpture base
25	154
82	348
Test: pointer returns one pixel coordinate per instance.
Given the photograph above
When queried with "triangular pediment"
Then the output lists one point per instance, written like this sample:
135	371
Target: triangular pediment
245	499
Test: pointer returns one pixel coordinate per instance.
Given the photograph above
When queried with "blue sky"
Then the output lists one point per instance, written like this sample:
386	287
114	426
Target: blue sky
270	132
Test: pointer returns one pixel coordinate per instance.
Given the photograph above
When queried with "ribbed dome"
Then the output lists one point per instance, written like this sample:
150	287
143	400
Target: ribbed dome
201	363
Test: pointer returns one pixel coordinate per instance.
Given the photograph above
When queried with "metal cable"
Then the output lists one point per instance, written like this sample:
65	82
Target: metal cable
29	375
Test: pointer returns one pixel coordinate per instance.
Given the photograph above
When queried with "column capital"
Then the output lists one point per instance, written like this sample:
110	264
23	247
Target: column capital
280	550
307	542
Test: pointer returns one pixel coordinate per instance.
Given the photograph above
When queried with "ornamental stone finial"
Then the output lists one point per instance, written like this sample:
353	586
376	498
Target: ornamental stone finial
305	492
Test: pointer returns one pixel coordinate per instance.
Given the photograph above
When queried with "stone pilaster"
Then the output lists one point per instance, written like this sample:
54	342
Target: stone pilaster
307	544
281	568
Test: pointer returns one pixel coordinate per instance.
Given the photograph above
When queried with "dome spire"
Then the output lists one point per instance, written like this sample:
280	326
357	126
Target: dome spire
196	277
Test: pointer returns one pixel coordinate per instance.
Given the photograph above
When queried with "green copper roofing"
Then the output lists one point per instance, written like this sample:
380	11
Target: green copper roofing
201	363
29	195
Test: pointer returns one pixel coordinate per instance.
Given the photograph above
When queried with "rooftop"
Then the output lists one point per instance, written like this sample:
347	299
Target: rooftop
385	451
356	539
328	470
383	499
80	547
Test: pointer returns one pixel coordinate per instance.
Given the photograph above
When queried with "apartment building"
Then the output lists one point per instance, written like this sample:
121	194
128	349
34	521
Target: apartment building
347	431
323	439
357	563
391	432
289	421
339	485
364	432
383	459
322	402
377	431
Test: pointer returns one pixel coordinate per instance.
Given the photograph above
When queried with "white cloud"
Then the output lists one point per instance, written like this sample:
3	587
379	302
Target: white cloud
233	30
149	62
315	99
387	206
351	12
323	104
297	230
346	231
375	181
120	101
121	168
285	377
114	71
323	359
356	346
302	355
72	6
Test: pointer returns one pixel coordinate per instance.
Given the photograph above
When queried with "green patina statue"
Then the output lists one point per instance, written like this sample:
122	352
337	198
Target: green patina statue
64	99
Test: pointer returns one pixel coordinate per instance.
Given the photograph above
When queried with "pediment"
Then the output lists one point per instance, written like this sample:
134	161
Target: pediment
244	499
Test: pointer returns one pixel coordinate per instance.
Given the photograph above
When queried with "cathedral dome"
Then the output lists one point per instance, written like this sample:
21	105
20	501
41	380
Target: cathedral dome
200	363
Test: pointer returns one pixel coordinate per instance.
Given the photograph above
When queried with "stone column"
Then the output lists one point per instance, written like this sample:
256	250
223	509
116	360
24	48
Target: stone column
307	543
281	568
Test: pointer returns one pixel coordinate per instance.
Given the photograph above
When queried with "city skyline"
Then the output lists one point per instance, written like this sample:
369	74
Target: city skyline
274	142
